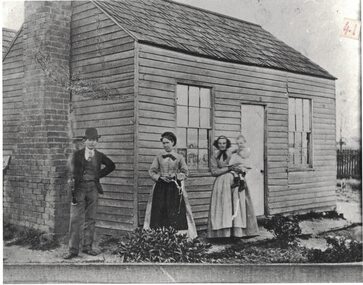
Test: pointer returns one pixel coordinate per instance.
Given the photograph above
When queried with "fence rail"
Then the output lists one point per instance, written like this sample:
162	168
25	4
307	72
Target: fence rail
349	163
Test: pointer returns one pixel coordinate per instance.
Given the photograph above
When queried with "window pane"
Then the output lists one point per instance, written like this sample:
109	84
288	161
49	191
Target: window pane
192	159
205	118
291	114
308	148
298	154
182	116
203	138
182	94
192	138
304	149
205	97
291	139
298	115
291	155
193	117
306	114
183	152
181	134
193	96
203	159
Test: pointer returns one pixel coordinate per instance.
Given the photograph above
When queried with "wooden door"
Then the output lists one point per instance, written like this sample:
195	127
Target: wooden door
252	127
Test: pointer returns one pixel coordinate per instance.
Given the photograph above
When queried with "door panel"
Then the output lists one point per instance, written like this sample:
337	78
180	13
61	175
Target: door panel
252	127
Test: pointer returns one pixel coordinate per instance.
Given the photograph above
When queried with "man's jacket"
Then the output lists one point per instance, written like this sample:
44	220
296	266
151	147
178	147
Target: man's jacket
78	167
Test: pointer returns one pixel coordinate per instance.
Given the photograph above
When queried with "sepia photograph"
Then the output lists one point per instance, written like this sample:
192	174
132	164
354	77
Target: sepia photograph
181	141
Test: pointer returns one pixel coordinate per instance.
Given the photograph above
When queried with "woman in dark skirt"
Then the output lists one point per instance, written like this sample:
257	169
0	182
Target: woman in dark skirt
168	204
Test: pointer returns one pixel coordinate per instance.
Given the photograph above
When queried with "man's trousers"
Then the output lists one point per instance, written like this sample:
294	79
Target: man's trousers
85	210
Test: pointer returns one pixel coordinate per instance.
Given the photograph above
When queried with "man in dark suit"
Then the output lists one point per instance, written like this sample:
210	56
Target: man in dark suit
85	168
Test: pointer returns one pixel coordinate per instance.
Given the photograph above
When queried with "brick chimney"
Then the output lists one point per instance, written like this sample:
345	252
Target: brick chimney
41	194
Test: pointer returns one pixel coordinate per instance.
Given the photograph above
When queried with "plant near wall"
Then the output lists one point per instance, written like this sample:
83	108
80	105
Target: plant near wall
161	245
32	238
60	75
285	229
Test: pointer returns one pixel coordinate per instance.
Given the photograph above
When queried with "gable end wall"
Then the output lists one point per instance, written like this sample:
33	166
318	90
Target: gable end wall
160	70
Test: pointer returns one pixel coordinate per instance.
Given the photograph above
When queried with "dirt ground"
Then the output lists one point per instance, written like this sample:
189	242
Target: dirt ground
349	202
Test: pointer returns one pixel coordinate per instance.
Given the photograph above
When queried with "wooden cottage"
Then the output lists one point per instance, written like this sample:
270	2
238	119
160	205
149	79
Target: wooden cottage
165	66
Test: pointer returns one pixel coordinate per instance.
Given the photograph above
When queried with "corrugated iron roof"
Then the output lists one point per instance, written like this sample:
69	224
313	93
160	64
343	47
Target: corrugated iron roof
8	36
196	31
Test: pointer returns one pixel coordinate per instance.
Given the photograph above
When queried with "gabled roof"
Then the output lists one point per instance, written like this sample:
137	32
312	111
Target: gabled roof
196	31
8	36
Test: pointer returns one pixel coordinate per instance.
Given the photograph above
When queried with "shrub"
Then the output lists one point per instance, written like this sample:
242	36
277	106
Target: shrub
285	229
161	245
339	250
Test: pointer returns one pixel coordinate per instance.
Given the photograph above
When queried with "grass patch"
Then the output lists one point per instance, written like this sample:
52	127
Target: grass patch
340	250
260	252
355	185
320	215
9	231
109	243
31	238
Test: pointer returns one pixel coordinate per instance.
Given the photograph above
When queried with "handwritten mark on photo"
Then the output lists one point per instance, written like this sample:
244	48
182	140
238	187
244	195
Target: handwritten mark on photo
351	29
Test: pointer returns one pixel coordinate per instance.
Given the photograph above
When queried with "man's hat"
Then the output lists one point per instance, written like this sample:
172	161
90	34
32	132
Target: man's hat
91	133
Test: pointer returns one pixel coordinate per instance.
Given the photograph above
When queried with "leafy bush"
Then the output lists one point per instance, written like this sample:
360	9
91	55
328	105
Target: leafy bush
339	250
285	229
161	245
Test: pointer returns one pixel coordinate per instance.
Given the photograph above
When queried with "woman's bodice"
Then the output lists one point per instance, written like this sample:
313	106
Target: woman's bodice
169	164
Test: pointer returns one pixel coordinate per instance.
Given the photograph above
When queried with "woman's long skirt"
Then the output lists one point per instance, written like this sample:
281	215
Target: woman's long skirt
231	212
168	206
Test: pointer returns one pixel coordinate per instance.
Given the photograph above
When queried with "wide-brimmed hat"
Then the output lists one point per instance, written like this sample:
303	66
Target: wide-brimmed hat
91	133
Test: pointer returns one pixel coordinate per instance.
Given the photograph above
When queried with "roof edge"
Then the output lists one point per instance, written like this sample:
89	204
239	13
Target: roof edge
328	75
301	54
12	42
113	20
214	13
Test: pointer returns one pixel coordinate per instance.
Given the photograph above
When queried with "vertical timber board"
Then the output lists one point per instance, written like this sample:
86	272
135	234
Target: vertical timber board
103	59
136	134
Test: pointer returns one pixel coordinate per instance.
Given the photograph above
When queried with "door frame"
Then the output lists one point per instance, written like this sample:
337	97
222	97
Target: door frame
265	164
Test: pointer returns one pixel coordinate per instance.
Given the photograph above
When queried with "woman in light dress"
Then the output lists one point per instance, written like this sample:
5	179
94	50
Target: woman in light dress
231	209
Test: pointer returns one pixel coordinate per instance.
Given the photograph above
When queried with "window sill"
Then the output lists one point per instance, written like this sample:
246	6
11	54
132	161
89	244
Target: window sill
300	169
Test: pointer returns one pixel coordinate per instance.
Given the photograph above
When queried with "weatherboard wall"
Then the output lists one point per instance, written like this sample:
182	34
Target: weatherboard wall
13	74
103	56
232	84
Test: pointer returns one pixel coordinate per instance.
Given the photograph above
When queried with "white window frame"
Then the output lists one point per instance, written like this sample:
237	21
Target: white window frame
193	127
297	129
